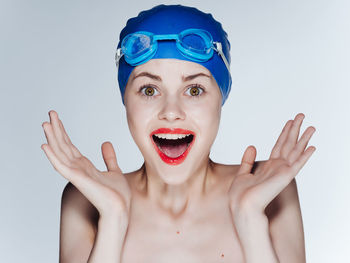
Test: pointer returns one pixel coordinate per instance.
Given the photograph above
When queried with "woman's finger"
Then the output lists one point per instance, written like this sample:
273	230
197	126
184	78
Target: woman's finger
83	183
52	142
56	162
248	160
275	153
272	186
292	135
74	149
303	158
301	145
109	157
59	134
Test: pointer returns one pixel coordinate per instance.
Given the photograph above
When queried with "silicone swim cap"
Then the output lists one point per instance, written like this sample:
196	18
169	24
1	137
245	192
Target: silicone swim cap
173	19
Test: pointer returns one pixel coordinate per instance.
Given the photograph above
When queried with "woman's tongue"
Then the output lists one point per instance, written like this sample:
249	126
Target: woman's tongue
173	149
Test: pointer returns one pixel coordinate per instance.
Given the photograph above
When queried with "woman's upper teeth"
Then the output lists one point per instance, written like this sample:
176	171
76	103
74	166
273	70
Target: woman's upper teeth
171	136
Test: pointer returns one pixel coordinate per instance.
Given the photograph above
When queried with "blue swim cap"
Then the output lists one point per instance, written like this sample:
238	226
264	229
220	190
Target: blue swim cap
173	19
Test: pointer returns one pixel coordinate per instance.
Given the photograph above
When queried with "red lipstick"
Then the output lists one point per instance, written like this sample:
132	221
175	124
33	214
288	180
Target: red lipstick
167	159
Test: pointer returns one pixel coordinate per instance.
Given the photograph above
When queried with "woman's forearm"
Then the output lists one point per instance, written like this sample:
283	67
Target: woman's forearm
109	240
254	235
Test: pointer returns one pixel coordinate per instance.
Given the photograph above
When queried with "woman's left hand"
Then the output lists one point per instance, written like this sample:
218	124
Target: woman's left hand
250	192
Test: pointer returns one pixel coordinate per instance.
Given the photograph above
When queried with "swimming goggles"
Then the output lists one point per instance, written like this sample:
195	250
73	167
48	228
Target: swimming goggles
194	44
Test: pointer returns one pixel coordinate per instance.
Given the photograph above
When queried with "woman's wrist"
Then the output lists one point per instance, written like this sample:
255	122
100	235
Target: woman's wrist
248	216
114	219
109	241
114	228
254	235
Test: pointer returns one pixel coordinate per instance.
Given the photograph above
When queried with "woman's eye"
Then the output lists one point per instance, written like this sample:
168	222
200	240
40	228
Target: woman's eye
148	91
194	91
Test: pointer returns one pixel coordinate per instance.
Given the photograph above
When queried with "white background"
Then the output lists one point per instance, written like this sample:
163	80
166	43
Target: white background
287	57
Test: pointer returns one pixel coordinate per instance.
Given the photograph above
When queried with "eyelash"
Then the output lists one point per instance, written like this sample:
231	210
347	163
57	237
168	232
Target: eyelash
144	87
152	97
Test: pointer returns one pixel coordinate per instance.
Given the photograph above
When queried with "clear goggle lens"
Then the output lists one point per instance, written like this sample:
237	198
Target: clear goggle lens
197	43
135	45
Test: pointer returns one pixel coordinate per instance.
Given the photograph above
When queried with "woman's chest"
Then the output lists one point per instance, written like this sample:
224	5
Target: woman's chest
211	239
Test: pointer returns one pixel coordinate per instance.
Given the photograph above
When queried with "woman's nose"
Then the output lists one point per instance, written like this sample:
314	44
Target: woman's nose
171	110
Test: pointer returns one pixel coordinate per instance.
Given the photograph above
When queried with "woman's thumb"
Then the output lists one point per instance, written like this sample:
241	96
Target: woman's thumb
248	160
109	157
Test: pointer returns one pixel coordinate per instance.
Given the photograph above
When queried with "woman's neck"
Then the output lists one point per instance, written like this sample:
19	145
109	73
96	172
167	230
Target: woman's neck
180	199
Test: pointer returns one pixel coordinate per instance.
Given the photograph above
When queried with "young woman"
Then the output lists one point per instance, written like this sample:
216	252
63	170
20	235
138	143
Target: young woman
180	206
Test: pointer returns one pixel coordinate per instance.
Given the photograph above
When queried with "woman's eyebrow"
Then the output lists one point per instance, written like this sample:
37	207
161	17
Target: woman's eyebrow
156	77
190	77
149	75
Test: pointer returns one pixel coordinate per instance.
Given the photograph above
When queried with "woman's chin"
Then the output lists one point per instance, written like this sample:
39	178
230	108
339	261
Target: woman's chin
176	174
173	176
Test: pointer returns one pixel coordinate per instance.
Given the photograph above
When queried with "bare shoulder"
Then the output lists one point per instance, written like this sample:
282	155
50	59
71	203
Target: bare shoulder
73	199
223	174
71	193
228	169
284	214
78	225
288	198
137	181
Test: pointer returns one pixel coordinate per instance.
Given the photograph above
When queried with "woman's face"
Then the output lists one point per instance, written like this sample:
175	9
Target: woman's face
170	98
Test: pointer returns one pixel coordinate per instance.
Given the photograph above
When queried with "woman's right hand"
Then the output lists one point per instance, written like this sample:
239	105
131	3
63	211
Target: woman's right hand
108	191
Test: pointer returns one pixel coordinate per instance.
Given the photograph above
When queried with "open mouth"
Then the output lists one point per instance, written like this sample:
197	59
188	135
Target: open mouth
172	145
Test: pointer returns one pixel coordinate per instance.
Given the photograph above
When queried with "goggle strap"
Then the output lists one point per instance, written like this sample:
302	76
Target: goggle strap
118	56
218	48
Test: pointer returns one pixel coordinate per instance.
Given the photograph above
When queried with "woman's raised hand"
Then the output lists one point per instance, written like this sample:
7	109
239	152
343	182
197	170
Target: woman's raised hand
252	192
108	191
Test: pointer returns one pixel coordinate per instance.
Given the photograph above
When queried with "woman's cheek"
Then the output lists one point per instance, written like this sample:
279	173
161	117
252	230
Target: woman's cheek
139	121
134	120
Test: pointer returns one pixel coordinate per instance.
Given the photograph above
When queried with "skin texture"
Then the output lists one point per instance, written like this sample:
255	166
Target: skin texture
171	106
251	192
199	211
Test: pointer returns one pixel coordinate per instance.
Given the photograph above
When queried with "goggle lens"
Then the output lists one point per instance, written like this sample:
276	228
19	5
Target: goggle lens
196	43
136	45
